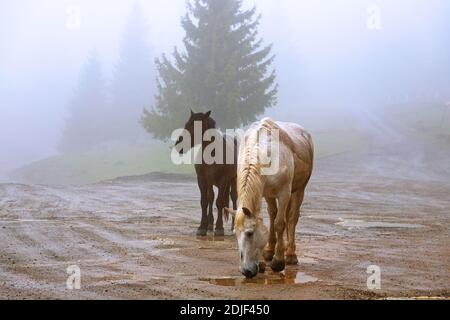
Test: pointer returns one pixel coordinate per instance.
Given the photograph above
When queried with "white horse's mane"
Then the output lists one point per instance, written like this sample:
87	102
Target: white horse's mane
250	182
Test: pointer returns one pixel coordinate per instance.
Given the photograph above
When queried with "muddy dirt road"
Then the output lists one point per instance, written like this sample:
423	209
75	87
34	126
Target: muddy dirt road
135	237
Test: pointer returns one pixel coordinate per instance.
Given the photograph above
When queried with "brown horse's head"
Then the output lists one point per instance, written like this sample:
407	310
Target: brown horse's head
196	119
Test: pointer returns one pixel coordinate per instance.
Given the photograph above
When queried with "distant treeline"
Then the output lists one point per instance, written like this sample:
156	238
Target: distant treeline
102	112
223	67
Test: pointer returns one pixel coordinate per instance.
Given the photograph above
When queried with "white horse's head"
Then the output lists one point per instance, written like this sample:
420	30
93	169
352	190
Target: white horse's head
252	236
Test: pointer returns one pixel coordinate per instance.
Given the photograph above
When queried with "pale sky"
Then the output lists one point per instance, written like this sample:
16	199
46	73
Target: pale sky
323	47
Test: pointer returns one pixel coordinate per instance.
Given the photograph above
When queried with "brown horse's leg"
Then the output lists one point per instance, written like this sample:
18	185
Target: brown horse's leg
210	209
292	220
226	197
219	231
203	228
270	247
278	263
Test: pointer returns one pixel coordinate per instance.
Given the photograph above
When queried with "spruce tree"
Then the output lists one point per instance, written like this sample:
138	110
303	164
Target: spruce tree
224	67
85	127
133	83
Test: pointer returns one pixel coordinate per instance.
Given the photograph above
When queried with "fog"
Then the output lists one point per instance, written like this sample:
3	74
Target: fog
333	70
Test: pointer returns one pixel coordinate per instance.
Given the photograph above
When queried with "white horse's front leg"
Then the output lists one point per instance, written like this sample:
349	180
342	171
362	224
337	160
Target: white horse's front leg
270	247
278	262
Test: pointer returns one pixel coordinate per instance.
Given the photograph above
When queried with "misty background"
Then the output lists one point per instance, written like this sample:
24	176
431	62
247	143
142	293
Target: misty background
335	73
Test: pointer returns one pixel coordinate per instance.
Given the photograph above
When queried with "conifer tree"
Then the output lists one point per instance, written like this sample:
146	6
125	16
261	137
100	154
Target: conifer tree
84	127
133	83
224	67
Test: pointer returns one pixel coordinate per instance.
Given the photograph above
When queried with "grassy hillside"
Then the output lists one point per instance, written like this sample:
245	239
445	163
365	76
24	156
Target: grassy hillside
125	161
430	123
429	119
101	165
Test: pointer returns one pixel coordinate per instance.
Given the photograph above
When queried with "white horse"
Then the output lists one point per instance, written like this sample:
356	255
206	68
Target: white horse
283	191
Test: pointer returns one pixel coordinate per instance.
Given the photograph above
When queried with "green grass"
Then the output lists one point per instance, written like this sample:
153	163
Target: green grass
336	142
429	122
432	119
97	166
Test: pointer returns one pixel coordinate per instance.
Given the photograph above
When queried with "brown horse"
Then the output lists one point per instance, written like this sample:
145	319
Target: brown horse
221	174
283	190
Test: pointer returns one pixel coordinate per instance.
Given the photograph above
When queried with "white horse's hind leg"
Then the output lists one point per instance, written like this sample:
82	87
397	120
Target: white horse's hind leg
292	220
278	263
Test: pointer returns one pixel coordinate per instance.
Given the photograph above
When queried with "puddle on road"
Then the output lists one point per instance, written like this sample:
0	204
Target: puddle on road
211	238
306	260
211	242
28	220
289	277
350	224
417	298
161	278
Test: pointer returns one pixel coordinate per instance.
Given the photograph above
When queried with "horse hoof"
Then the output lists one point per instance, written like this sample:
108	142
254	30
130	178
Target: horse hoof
210	227
291	260
201	232
262	267
219	233
268	255
277	265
